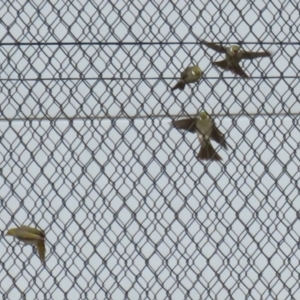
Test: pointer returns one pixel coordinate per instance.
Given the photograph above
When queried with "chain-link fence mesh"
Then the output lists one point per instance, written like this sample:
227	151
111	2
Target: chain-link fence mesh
88	154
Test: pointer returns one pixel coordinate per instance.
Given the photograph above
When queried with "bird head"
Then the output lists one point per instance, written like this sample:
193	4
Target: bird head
197	71
203	115
235	49
11	232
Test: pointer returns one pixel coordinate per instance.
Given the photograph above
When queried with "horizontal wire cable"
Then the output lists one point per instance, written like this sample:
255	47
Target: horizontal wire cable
159	117
138	43
132	78
142	78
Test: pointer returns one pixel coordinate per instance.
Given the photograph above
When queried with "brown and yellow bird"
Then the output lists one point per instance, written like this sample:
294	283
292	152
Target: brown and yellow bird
206	130
189	75
233	55
30	236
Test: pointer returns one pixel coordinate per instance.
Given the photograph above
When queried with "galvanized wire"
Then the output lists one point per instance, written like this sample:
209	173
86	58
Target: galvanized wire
88	153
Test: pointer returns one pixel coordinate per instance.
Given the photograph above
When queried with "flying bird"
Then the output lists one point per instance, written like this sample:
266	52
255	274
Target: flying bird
206	130
233	55
30	236
189	75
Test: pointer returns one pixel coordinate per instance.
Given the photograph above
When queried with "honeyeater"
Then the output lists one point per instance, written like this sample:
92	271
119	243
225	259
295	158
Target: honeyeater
233	55
206	130
30	236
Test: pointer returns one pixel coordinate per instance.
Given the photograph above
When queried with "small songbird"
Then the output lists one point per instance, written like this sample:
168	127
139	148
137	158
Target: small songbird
30	236
189	75
206	130
233	55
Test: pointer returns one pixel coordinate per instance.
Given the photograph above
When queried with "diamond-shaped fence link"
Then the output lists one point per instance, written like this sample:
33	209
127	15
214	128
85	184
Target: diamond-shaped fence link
88	154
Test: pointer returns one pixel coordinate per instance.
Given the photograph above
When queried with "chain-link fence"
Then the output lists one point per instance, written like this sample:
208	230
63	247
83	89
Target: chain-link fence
88	153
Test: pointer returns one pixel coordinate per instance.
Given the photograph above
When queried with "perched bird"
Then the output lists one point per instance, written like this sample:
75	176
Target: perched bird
206	130
233	55
189	75
30	236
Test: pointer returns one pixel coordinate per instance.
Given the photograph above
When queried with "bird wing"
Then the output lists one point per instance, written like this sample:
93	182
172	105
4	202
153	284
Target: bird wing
41	250
27	237
218	137
185	74
32	230
186	124
252	55
216	47
236	69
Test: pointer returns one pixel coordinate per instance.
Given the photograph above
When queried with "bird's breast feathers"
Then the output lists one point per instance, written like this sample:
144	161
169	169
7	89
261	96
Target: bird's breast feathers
231	58
204	128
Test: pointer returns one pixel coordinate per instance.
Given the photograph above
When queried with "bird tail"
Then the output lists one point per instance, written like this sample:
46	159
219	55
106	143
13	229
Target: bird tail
41	250
180	85
207	152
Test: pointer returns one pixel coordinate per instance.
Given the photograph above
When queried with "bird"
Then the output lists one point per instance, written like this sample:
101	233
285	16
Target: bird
30	236
233	55
189	75
206	130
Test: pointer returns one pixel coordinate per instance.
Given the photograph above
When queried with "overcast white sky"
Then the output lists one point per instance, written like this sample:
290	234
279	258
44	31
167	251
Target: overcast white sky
87	152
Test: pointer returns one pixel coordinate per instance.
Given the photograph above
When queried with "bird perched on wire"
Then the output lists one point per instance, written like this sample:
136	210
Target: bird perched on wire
206	130
30	236
189	75
233	55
